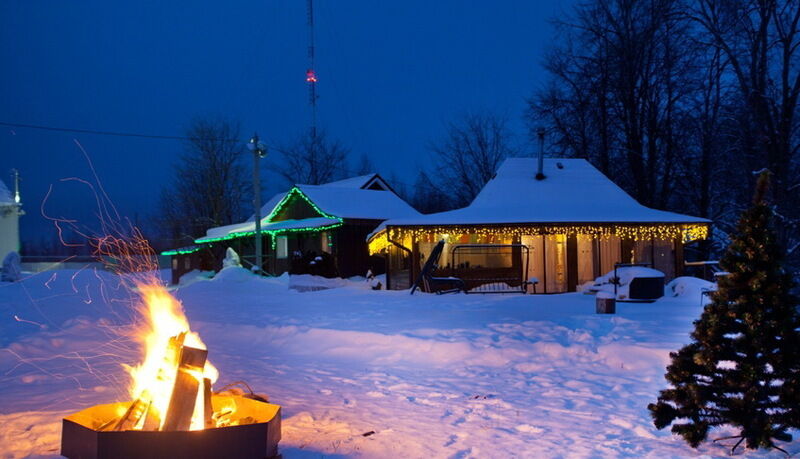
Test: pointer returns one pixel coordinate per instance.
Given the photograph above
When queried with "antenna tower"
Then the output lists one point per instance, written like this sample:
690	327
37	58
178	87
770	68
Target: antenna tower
311	76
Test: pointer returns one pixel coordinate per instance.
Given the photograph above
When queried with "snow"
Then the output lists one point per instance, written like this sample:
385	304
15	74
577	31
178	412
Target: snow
690	287
11	269
356	203
431	375
623	276
576	192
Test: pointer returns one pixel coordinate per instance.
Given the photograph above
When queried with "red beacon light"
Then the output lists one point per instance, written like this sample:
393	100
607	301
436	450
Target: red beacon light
311	77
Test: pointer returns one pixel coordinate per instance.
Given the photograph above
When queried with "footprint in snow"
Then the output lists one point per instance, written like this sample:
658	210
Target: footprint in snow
527	428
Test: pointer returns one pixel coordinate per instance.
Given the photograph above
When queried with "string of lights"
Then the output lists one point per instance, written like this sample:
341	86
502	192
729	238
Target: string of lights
685	232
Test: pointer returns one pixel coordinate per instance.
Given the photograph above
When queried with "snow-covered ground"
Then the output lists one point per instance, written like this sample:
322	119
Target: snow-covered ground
431	376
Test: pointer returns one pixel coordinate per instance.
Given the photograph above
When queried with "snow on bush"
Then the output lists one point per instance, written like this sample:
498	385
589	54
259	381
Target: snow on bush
193	276
231	259
12	269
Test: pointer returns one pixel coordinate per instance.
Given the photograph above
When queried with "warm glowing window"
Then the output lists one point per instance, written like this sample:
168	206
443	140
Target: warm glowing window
282	247
326	242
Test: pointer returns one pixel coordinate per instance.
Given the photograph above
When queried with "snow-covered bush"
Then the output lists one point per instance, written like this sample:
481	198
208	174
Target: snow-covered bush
193	276
231	259
12	268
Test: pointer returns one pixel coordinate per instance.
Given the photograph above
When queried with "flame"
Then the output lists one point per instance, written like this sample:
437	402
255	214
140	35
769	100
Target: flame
153	379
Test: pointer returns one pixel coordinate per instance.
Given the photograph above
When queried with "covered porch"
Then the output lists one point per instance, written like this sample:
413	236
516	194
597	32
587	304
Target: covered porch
558	257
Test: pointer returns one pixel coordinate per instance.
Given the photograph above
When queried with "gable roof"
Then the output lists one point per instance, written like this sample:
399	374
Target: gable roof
573	191
335	201
352	182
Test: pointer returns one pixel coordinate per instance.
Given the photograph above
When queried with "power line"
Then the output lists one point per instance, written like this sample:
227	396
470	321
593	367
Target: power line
109	133
343	169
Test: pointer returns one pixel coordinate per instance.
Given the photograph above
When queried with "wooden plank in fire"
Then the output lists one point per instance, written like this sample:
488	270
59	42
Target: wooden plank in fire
184	392
131	417
208	410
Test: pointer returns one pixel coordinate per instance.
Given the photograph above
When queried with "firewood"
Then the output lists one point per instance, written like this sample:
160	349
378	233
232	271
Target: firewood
208	409
184	392
131	416
152	420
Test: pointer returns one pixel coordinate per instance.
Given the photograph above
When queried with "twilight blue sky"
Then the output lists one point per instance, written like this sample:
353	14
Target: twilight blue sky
390	74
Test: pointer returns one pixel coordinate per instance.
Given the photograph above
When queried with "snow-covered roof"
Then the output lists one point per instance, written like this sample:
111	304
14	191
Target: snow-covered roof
357	203
283	225
6	198
572	192
343	199
352	182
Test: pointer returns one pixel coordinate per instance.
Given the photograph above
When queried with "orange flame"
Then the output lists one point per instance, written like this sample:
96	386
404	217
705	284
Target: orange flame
154	378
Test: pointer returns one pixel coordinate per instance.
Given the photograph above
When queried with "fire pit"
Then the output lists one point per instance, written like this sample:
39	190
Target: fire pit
174	412
255	433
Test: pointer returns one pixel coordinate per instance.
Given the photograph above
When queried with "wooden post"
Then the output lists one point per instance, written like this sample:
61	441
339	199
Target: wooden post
572	263
184	393
679	257
605	303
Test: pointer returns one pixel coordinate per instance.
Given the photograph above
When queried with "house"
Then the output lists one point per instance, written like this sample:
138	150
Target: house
10	211
318	229
564	229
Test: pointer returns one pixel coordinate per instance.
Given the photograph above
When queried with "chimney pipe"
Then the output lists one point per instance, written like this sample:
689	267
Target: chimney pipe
540	172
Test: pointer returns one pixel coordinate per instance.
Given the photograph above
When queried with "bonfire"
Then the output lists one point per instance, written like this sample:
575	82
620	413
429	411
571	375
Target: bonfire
173	410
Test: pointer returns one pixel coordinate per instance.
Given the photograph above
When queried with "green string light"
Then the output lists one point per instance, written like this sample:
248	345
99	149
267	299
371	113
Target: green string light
183	251
294	192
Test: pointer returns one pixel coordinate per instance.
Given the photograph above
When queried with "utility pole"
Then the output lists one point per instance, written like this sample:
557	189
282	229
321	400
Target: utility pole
259	151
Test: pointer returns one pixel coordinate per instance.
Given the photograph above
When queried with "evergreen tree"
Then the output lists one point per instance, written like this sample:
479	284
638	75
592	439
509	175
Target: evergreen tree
742	368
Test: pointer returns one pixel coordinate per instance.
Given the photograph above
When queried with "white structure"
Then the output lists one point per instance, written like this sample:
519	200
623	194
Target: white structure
10	211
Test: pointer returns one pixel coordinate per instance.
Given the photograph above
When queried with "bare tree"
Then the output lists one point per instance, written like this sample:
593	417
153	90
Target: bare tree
761	41
364	165
620	76
470	154
210	185
428	197
313	159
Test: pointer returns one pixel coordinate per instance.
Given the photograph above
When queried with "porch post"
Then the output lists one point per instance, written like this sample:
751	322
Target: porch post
678	257
572	263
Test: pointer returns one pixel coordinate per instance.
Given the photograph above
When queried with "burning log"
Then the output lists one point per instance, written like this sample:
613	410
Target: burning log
131	417
208	411
184	392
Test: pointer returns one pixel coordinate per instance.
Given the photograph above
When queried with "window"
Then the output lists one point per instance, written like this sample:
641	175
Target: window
326	241
556	263
610	253
282	247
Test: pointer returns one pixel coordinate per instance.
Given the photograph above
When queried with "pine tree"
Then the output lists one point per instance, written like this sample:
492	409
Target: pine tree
742	368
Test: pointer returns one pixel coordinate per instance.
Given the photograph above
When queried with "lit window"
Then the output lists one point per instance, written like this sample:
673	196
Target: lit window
282	247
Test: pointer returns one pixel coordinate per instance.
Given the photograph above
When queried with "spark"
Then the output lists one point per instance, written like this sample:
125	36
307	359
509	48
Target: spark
18	319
